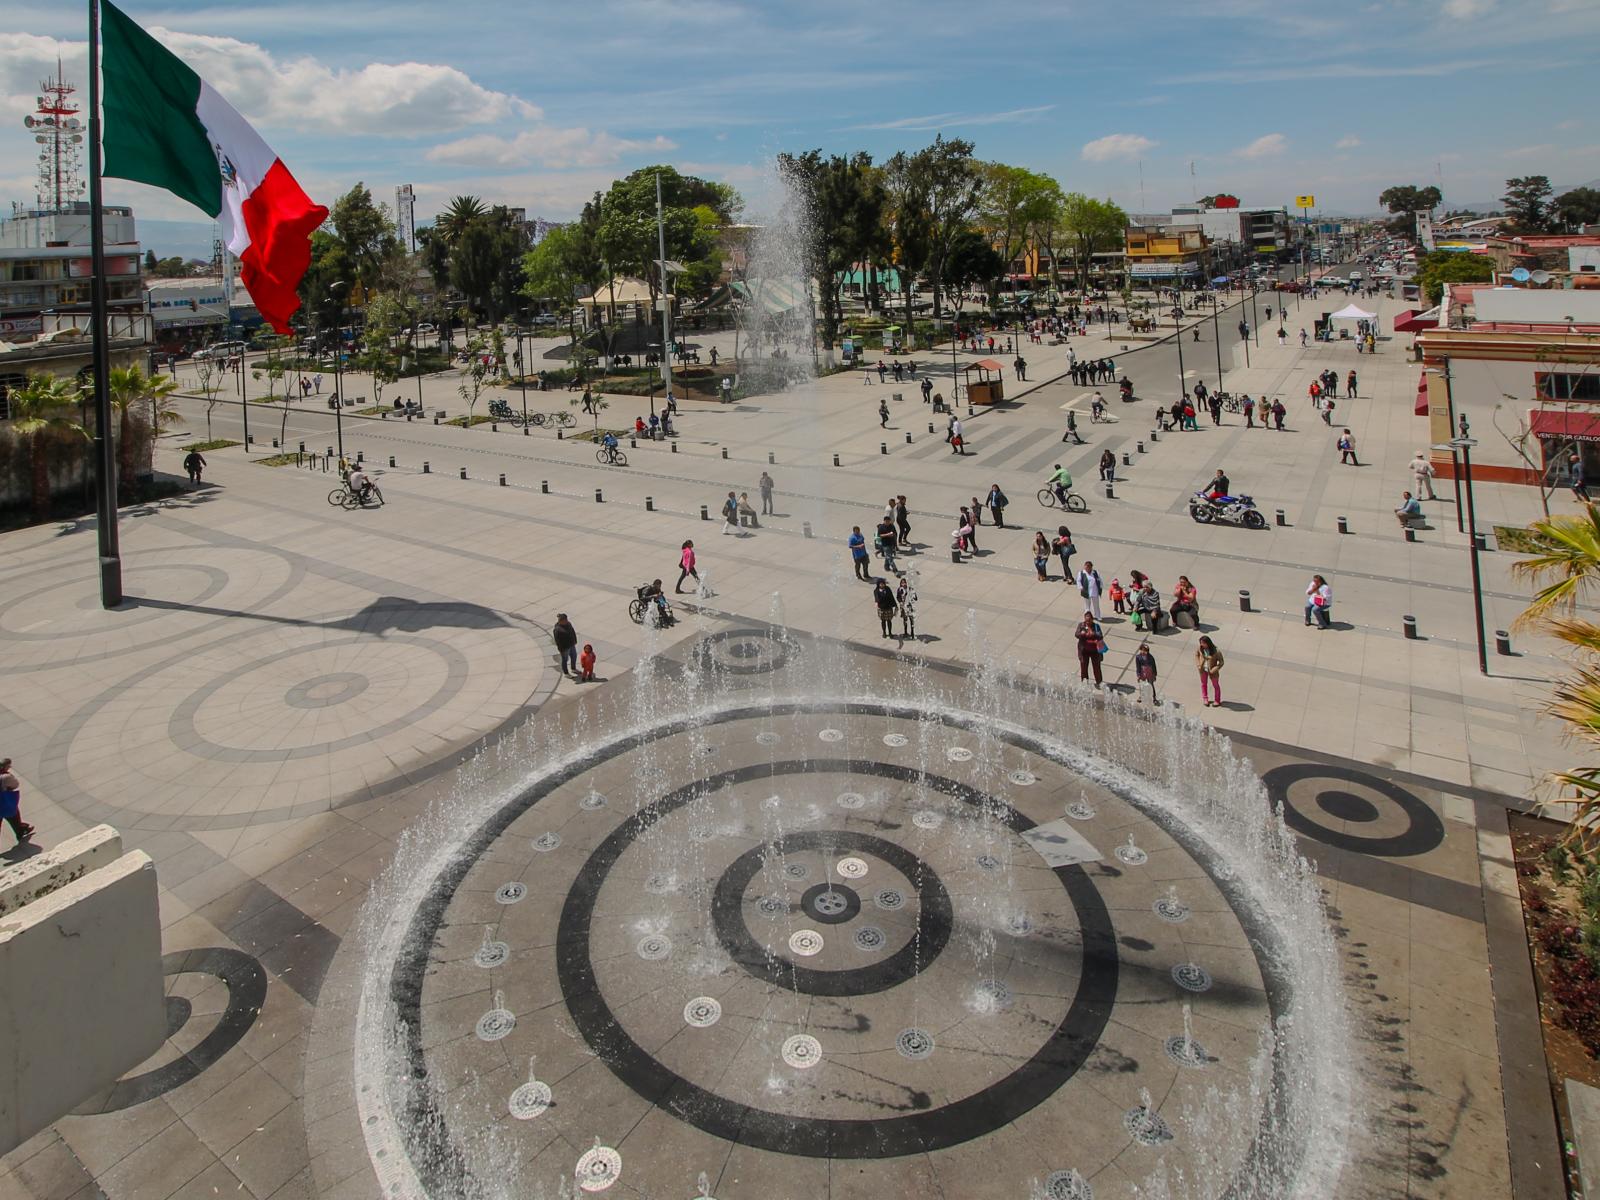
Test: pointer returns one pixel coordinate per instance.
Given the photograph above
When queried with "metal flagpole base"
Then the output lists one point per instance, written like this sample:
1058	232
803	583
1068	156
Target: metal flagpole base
110	582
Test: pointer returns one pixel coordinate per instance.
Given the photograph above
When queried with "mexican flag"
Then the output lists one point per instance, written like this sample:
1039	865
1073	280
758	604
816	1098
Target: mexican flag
167	127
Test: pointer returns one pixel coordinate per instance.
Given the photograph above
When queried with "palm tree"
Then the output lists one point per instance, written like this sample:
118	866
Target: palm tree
458	214
130	389
43	406
1565	565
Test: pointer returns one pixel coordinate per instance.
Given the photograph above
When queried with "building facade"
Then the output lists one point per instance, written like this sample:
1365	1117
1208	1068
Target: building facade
1166	254
45	266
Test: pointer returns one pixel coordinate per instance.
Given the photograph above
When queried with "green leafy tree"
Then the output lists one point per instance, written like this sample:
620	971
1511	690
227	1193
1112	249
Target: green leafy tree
906	187
1527	202
41	412
972	260
330	263
1450	266
131	390
380	354
1409	200
844	203
486	264
435	252
953	185
1578	207
1090	225
1011	203
627	225
474	373
150	262
366	231
457	215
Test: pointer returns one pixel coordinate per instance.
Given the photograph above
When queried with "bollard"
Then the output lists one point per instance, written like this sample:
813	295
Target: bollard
1280	518
599	497
908	437
1411	534
772	459
1409	624
297	461
1244	600
463	472
898	396
502	479
274	443
330	451
494	426
633	443
930	426
1127	459
436	420
1502	642
544	486
426	468
561	435
724	452
1481	540
674	447
1110	495
836	460
361	457
705	514
883	447
302	447
1155	435
805	528
1140	447
649	504
526	432
955	555
249	438
1344	525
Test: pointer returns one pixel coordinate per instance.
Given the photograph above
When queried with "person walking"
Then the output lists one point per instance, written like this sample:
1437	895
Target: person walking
686	568
765	485
730	514
11	802
1091	648
194	462
1209	660
1072	429
1577	477
902	520
1279	412
1319	602
1249	406
1089	587
968	520
1350	386
906	597
957	442
927	389
1347	449
883	414
1422	474
858	553
566	640
1064	551
1144	671
883	599
997	502
887	541
1041	556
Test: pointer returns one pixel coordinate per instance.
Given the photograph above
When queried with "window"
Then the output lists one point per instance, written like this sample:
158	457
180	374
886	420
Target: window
1567	385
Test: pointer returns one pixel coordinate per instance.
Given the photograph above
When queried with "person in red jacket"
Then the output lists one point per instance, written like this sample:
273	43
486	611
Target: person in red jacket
586	664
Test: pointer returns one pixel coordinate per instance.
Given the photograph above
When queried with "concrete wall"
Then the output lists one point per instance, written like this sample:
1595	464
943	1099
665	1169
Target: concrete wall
81	995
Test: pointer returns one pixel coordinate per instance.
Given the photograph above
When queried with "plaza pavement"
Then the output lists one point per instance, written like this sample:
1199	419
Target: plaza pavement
290	679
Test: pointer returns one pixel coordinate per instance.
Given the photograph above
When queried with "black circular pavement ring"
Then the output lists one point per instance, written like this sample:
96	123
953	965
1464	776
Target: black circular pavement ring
1424	832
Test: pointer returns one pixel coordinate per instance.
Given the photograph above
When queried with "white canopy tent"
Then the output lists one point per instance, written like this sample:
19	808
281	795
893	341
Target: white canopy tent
1351	312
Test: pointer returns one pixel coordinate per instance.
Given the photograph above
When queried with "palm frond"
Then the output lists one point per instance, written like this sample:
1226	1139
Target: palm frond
1566	562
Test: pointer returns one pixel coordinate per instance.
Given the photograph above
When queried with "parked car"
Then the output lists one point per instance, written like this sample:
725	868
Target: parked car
220	352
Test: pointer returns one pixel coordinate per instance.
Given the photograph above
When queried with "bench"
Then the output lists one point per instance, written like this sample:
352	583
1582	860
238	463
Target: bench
1417	521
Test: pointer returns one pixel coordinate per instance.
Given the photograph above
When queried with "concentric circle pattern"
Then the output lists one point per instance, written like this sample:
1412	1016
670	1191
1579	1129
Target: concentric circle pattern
948	967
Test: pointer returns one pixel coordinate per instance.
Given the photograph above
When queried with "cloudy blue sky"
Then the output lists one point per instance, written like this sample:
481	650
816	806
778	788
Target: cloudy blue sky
540	104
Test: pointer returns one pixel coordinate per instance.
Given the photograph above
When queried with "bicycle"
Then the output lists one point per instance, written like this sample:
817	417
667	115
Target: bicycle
343	497
1074	502
564	419
606	456
1231	402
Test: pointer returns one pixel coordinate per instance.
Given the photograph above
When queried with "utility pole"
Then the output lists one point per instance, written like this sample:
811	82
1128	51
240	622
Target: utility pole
105	448
666	305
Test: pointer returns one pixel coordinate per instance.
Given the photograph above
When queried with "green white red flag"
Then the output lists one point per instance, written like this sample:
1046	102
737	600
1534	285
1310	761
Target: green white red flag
165	126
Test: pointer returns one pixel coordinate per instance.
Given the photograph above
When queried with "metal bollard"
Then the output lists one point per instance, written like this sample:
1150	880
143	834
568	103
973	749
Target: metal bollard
1409	624
955	555
1344	525
724	452
544	486
249	438
1140	447
1244	600
705	514
1502	642
436	420
772	459
502	479
898	396
391	462
426	468
883	447
649	504
494	426
930	426
599	497
361	457
1280	518
1411	534
274	443
674	447
633	444
1482	540
330	451
805	528
526	432
561	435
1110	495
1127	459
463	472
836	460
908	437
1155	435
302	447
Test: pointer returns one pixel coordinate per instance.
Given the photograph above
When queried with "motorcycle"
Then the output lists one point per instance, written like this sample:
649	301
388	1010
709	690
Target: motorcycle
1237	510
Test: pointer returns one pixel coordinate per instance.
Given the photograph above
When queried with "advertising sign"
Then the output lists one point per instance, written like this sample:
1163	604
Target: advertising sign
1305	201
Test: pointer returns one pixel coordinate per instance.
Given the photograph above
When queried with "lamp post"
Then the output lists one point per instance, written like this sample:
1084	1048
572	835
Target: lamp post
1455	461
1464	444
1216	335
522	366
340	286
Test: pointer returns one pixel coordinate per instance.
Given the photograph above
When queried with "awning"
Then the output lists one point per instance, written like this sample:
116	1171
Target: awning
984	364
1412	321
1421	408
1565	426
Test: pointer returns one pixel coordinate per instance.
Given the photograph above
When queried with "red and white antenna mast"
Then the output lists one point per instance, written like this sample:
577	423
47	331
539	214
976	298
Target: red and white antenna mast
58	130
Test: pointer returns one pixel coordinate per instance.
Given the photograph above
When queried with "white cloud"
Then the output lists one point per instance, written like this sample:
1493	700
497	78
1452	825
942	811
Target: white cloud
1268	145
1465	10
947	120
1348	142
544	146
1116	145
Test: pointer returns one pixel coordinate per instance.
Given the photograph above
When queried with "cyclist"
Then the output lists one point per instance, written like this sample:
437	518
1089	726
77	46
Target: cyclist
1097	407
609	441
1060	483
360	483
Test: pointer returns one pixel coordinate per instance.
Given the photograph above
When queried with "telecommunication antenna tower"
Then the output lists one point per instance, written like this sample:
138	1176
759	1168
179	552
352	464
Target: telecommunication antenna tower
58	130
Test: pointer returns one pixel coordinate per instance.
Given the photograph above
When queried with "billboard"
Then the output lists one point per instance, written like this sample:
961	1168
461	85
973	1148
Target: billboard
405	215
1305	201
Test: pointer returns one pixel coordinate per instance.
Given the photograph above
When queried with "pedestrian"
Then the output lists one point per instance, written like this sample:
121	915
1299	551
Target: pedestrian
1089	588
1119	597
1319	602
961	536
883	599
566	640
765	485
906	597
857	542
1577	477
11	802
1326	407
1041	556
1314	393
1283	336
747	512
1064	551
1209	660
686	568
1347	449
977	512
1249	407
1279	412
1185	599
957	444
1021	367
1108	466
1091	647
1350	385
730	514
1409	509
1144	670
887	542
194	462
883	414
1072	429
1422	472
968	520
997	502
586	662
1214	403
902	520
1302	338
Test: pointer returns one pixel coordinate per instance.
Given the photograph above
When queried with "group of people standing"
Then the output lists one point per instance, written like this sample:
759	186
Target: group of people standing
1091	370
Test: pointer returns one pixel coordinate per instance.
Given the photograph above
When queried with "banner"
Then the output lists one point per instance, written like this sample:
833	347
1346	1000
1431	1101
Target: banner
1305	201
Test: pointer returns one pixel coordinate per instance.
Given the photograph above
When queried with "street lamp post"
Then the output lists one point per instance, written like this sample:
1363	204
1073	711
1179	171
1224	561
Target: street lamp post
1216	335
1465	445
1455	462
1178	337
338	371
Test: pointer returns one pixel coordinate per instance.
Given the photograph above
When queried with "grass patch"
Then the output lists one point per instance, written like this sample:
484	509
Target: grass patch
375	411
463	422
214	444
277	460
591	435
1514	537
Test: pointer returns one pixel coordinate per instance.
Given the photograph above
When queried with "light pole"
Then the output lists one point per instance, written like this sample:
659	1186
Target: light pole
522	367
1216	335
340	286
666	305
1455	460
1177	319
1465	445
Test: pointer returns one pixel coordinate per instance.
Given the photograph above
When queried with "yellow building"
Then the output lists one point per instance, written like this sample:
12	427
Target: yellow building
1166	254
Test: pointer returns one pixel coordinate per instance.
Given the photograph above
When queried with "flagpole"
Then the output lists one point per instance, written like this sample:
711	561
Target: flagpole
104	446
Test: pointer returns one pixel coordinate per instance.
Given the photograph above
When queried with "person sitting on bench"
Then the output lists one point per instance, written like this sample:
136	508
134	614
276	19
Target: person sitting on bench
1410	510
1147	612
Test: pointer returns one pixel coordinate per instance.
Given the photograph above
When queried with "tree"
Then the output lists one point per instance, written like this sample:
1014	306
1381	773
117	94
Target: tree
457	215
627	229
1578	207
130	389
1090	225
330	263
1411	200
844	201
1450	266
150	263
1011	202
1045	224
474	373
906	186
366	231
561	265
1527	202
41	411
972	259
486	264
953	184
385	317
435	252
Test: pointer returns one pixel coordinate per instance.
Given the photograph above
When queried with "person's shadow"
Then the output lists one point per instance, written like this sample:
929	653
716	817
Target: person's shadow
21	852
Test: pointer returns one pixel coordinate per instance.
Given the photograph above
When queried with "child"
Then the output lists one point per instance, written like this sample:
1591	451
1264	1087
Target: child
1144	669
1119	598
586	664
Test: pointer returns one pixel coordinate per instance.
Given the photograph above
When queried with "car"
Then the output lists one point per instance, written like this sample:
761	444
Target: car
1356	276
545	320
220	352
427	327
